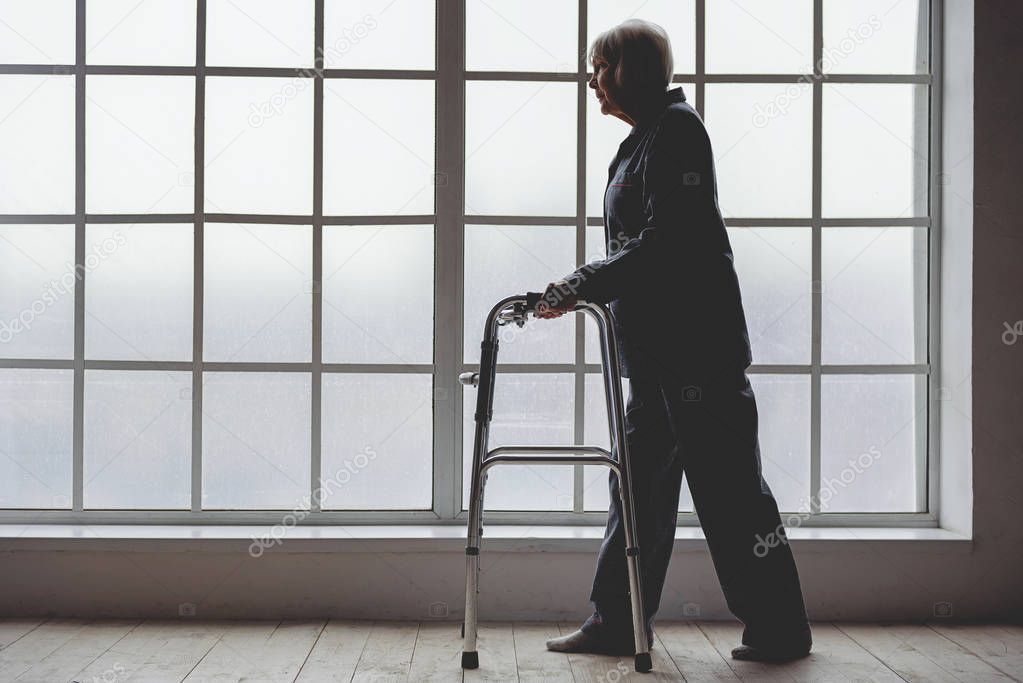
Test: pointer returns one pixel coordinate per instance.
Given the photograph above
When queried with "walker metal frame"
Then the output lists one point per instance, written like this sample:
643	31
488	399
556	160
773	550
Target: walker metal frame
516	309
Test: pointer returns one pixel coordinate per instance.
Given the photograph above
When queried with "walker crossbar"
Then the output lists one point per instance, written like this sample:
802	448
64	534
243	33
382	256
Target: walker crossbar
516	309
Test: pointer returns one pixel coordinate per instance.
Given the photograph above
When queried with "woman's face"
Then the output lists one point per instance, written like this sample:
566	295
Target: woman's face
603	84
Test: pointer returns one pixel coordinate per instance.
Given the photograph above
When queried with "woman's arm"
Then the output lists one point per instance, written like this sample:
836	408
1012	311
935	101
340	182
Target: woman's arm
679	200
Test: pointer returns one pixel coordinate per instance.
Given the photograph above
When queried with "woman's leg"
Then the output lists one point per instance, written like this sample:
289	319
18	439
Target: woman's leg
657	478
717	426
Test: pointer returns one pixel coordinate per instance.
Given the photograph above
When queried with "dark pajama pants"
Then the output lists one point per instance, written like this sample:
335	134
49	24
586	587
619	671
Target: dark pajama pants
709	432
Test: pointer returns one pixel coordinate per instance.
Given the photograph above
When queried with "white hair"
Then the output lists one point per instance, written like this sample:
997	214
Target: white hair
638	51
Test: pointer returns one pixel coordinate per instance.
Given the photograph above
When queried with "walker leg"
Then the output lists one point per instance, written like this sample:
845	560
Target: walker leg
474	532
616	415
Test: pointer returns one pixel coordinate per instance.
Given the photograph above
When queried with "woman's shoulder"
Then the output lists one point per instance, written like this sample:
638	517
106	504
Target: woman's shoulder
680	125
681	117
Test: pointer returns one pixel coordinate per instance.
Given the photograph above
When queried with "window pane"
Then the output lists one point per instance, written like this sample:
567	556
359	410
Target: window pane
761	134
256	440
760	36
596	250
874	301
139	144
378	147
259	145
773	265
37	32
875	150
138	302
676	17
37	291
377	442
259	33
521	36
875	36
362	34
378	294
596	432
509	126
505	260
35	438
258	293
528	409
783	405
868	437
37	134
138	440
155	32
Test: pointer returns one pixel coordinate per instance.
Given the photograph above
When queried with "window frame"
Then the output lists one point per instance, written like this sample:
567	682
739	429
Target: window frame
449	220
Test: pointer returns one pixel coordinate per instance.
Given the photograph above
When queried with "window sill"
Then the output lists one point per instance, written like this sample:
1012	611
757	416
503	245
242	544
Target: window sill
415	538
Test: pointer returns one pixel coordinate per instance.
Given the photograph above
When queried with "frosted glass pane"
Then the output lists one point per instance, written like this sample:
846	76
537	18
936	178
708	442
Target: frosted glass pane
37	135
875	36
773	265
595	251
138	440
259	145
510	126
37	32
874	299
37	291
258	293
139	144
528	409
868	442
259	33
378	294
138	302
676	17
761	134
760	36
513	35
783	407
378	130
874	150
256	440
377	442
155	32
505	260
379	34
596	432
35	438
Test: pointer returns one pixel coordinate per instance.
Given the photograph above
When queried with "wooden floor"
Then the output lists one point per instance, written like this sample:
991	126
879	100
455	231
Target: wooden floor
337	650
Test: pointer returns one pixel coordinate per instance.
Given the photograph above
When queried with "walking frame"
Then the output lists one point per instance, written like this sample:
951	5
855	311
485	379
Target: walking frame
516	309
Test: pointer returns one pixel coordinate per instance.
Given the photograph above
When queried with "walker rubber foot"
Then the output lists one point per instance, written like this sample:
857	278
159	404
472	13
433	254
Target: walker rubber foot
471	660
643	663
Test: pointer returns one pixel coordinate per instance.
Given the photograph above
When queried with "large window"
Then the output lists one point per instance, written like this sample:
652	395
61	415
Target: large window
246	246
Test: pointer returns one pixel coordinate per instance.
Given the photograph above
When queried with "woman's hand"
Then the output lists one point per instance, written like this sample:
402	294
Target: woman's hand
557	300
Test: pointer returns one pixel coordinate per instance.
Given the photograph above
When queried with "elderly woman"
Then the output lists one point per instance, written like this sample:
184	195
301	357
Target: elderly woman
684	347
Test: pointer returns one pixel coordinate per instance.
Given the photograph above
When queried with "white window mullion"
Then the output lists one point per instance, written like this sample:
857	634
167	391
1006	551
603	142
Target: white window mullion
448	258
198	262
816	279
